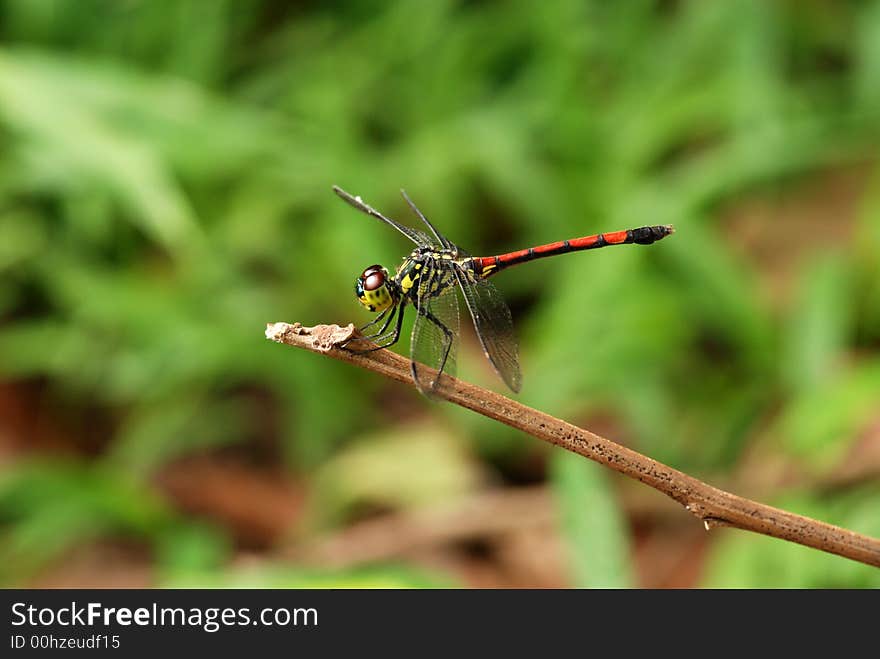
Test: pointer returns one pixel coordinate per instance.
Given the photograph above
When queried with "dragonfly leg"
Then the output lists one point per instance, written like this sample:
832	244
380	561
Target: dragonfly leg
448	340
382	339
388	339
378	319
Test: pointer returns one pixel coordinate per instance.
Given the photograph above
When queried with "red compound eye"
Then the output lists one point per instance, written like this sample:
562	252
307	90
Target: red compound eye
373	278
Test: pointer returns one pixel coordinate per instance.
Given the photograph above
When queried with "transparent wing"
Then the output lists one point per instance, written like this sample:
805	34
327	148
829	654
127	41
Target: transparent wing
417	237
443	242
494	326
436	328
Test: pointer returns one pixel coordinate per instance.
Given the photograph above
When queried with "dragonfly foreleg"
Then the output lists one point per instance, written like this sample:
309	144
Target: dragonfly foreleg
382	316
382	338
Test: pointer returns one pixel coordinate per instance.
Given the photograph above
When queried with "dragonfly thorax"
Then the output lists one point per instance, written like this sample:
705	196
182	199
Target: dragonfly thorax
376	290
425	271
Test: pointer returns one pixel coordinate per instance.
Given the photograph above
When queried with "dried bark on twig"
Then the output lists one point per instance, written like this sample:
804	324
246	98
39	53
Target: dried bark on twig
713	506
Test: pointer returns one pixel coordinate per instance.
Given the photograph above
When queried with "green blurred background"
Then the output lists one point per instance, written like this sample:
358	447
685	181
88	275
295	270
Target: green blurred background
165	191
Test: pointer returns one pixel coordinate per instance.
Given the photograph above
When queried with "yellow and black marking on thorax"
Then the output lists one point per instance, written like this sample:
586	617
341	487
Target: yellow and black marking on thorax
423	274
408	274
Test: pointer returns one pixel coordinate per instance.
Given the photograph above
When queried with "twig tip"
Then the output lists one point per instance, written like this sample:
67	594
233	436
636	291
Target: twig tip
320	338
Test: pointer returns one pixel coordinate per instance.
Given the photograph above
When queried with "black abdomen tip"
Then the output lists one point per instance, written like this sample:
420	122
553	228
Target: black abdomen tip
648	235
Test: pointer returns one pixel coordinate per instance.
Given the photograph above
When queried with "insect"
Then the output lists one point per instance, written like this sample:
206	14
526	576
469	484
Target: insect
427	280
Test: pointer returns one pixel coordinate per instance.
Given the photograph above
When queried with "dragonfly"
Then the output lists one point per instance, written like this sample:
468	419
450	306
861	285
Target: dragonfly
427	281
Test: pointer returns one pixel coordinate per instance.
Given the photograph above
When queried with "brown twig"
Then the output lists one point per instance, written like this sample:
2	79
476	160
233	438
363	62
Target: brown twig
713	506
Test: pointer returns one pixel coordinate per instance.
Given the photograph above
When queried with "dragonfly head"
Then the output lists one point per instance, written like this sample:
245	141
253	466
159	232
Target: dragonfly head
374	289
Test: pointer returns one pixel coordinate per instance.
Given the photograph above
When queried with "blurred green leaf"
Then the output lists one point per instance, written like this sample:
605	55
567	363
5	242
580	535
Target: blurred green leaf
868	53
821	424
592	523
157	433
188	548
819	325
47	508
69	141
413	466
867	246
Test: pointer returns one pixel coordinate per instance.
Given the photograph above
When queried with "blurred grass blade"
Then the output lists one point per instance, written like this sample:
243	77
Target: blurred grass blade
819	326
820	425
592	523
